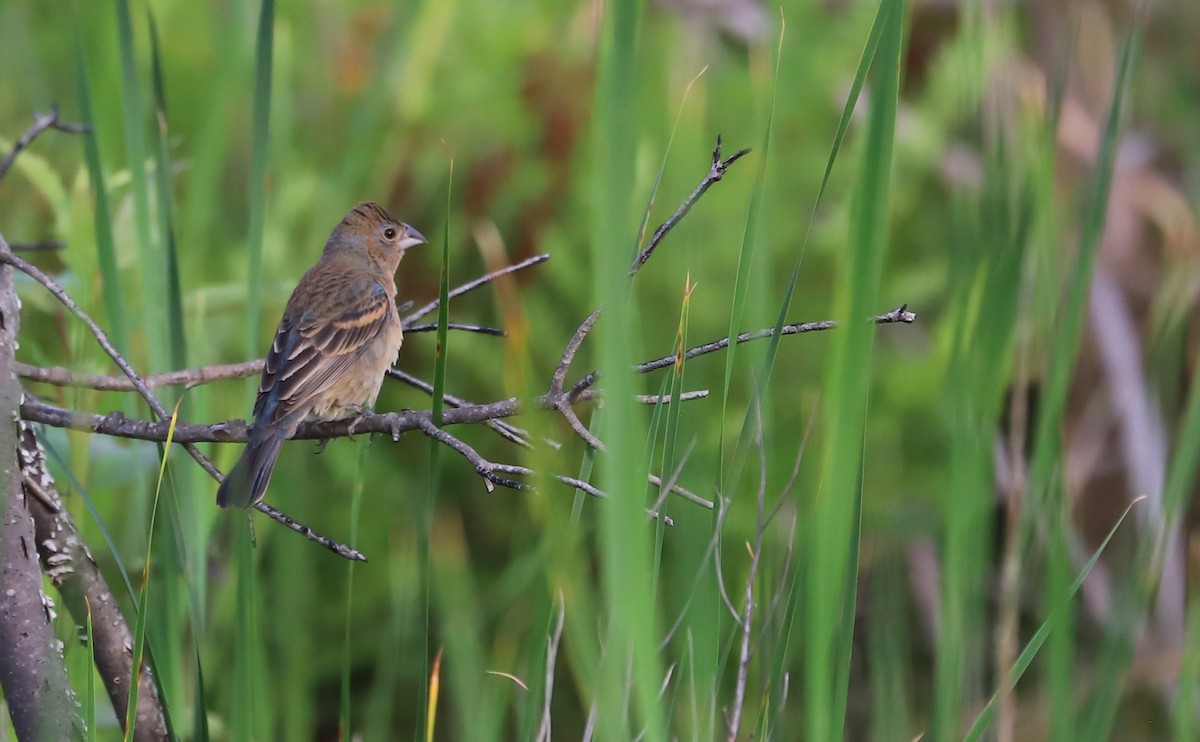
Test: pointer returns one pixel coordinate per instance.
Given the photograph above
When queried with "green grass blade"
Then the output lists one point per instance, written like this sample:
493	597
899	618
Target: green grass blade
1070	327
741	282
346	731
149	257
166	212
428	502
110	276
626	697
1013	676
835	523
139	643
1045	494
860	78
799	586
263	55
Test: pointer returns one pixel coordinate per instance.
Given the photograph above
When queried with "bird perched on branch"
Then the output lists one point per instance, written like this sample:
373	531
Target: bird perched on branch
340	332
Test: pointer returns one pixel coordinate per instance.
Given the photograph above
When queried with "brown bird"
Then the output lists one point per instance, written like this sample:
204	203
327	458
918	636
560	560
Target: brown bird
339	334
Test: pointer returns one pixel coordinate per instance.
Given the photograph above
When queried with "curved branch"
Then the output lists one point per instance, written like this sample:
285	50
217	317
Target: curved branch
69	565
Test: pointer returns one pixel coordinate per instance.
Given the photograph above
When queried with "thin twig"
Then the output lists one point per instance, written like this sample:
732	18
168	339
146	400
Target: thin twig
901	315
665	491
486	469
37	246
684	493
722	507
59	376
190	377
460	326
41	122
476	283
283	518
507	430
743	673
716	171
594	491
551	661
564	402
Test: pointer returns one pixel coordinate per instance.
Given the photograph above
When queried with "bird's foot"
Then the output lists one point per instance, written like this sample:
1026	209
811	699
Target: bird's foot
361	411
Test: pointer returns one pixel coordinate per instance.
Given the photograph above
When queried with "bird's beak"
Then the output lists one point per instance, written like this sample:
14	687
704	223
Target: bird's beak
412	238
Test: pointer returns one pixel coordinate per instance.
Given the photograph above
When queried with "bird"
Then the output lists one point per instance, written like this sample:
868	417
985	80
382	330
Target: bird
339	334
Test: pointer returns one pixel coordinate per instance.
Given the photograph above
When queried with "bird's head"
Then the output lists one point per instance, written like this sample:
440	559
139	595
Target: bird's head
369	231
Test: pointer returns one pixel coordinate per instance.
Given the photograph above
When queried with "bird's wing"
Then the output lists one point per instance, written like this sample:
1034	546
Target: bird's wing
310	353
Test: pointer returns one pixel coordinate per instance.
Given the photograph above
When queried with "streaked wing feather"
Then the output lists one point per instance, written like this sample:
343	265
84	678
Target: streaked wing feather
307	358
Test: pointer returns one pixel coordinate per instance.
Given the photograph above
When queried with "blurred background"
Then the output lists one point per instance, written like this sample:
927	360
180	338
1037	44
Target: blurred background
1026	172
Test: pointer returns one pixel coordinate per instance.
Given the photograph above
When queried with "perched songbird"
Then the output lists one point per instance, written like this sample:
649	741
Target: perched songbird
340	332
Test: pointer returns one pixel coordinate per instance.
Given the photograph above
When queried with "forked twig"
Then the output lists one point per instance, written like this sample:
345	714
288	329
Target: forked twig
716	171
41	122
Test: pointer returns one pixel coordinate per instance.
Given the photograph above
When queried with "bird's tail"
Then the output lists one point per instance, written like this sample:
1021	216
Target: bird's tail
247	481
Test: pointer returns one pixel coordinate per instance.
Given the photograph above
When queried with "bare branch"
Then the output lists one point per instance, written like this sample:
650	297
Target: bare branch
488	470
563	402
716	171
507	430
41	123
476	283
37	246
71	569
901	315
460	326
743	673
59	376
284	519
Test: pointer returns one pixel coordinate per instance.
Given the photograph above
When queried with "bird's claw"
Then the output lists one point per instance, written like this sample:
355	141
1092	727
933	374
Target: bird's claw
361	412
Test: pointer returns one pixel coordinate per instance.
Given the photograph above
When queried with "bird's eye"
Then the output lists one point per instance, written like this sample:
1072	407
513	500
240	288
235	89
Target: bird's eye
390	233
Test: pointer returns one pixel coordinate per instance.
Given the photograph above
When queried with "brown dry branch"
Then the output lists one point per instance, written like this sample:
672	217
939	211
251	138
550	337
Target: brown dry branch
69	566
32	673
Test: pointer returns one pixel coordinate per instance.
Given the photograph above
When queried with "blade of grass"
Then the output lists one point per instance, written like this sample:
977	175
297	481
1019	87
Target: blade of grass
110	276
247	713
166	213
428	502
987	290
139	643
149	258
835	521
741	282
673	413
1035	643
860	76
626	696
346	731
263	55
1045	497
435	685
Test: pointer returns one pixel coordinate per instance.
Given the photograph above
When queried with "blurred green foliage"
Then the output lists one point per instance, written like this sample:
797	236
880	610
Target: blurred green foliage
981	215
